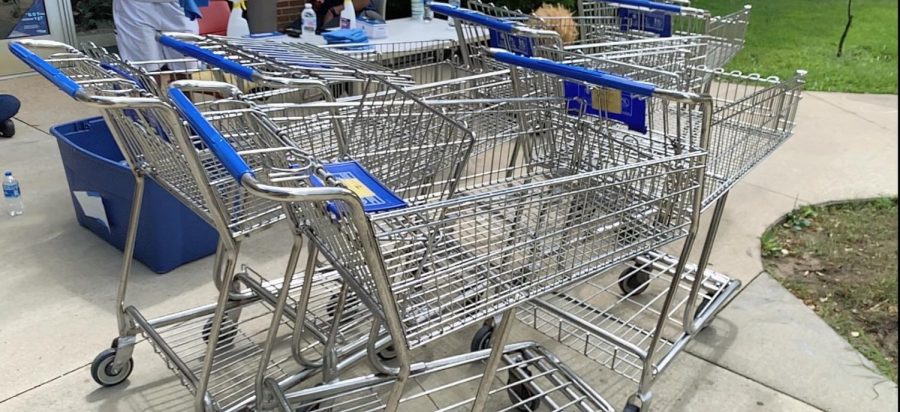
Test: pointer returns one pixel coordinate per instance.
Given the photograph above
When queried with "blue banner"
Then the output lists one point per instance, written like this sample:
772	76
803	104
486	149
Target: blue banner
654	21
515	44
32	22
610	104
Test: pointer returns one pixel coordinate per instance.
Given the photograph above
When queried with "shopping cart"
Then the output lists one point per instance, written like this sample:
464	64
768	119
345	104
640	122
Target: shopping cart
425	61
268	64
602	21
522	35
637	322
217	359
580	198
551	382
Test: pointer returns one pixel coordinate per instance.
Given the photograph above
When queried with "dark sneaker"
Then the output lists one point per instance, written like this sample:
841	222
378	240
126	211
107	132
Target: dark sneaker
7	128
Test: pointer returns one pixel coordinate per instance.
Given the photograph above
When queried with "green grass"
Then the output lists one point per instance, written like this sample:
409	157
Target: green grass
786	35
841	260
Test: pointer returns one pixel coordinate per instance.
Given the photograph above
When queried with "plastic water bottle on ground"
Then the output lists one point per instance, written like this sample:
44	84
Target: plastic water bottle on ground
418	9
12	194
308	17
453	3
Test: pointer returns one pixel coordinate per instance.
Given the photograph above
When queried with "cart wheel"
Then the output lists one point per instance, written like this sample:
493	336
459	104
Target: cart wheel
482	338
102	369
521	392
634	283
630	407
387	353
227	332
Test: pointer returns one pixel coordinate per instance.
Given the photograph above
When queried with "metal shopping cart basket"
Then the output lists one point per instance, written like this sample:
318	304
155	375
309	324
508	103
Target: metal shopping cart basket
274	62
216	359
637	322
583	197
425	61
602	21
477	30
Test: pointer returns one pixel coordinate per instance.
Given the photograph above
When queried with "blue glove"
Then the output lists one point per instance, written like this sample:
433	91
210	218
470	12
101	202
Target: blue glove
343	36
192	8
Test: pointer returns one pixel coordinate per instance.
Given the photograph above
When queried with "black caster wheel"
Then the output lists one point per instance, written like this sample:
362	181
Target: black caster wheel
633	282
227	331
387	353
521	392
631	408
103	372
482	338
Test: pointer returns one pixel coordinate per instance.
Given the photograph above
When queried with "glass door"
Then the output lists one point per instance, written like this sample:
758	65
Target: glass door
93	22
40	19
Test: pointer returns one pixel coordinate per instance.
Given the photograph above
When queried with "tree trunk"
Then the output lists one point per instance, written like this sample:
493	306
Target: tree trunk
840	50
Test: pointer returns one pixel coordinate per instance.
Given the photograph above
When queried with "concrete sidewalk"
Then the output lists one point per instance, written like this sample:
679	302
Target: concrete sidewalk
766	351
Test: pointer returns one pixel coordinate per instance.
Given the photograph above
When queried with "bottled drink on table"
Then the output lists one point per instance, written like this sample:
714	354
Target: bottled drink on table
418	9
12	194
308	17
237	25
348	16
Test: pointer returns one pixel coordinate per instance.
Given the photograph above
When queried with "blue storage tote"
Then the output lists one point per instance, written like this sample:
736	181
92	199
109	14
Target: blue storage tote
169	233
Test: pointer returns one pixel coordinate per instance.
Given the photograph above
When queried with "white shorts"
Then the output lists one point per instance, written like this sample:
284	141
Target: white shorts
138	21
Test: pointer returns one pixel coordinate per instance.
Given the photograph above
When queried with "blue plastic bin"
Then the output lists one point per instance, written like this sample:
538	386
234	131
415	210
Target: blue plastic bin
169	233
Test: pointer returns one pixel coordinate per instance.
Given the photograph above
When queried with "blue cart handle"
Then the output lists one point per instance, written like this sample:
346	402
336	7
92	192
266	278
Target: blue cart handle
207	57
473	17
596	77
647	4
220	147
63	82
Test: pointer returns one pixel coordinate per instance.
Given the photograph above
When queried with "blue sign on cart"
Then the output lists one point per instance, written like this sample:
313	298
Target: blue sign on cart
515	44
653	21
610	104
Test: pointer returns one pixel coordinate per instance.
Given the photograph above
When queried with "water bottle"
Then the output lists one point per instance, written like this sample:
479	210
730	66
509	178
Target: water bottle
418	9
237	25
308	18
13	194
453	3
348	16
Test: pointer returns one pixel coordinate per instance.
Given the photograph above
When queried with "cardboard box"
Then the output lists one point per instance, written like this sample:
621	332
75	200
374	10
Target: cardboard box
374	29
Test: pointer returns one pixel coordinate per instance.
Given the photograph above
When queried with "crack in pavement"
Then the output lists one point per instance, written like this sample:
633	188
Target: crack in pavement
44	383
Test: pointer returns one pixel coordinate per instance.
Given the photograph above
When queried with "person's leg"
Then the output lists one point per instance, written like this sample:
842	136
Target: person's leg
135	32
9	106
171	18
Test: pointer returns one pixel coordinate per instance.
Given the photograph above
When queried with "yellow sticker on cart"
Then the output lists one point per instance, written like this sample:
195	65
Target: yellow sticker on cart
607	100
357	187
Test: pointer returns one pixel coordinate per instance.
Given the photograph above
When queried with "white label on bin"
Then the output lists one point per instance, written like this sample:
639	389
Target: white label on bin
92	205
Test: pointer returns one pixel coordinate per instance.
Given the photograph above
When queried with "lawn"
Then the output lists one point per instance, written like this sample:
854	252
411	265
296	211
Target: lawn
785	35
841	260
